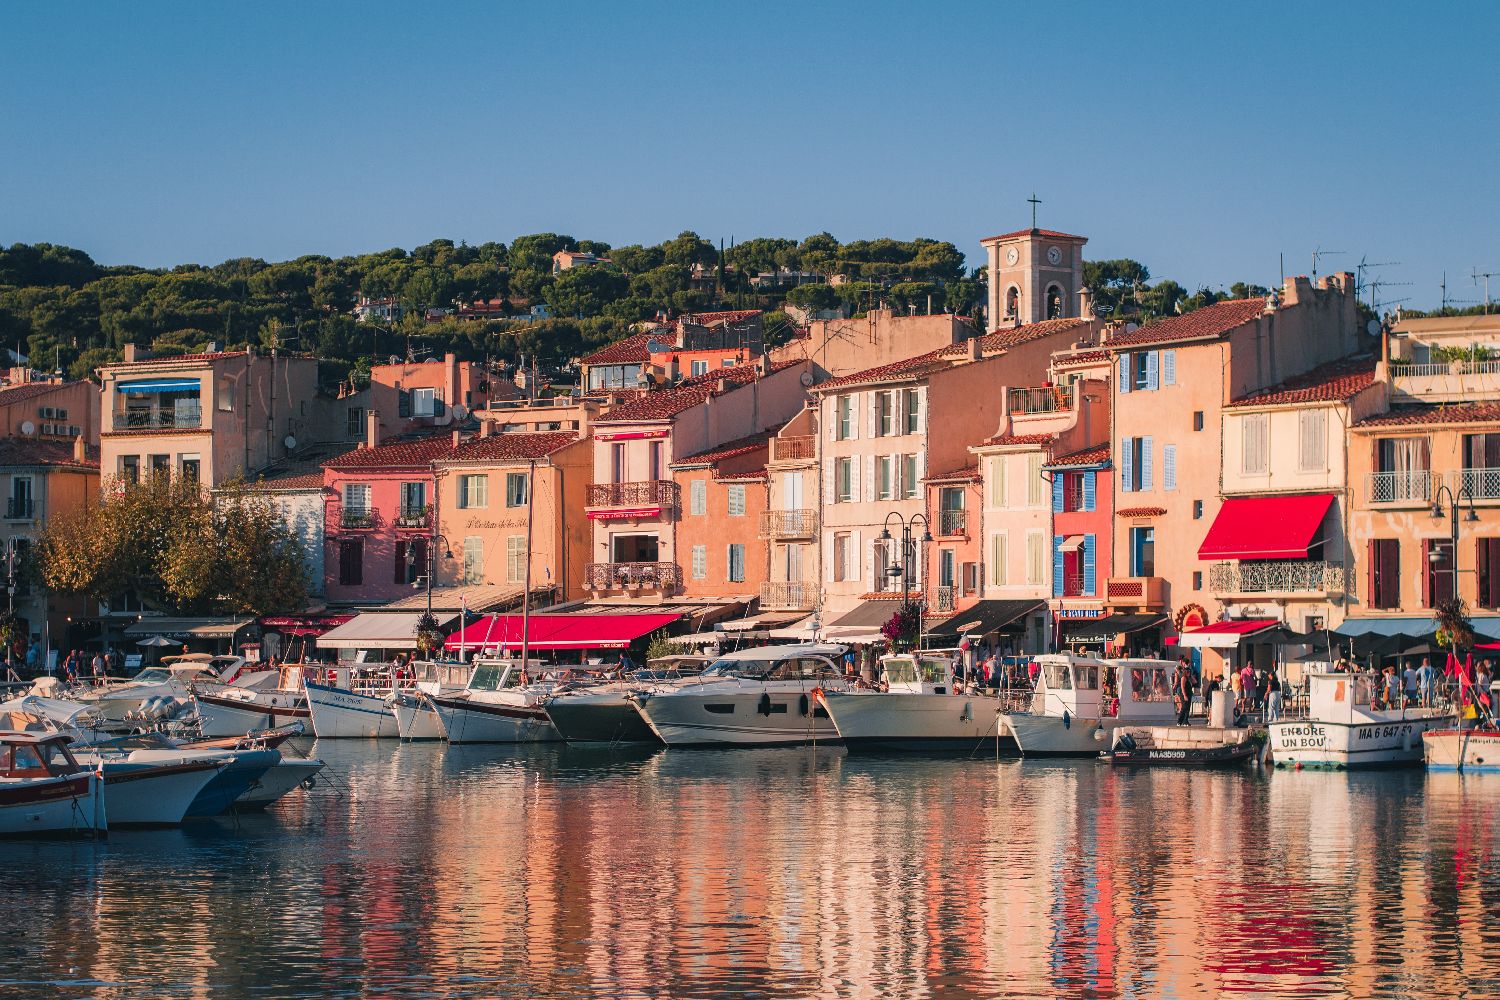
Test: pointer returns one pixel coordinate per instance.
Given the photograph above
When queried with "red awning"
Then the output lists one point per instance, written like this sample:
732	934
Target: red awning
559	631
304	624
1279	527
1221	635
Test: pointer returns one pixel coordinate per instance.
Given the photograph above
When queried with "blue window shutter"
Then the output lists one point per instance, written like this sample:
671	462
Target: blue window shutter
1127	465
1057	566
1088	565
1124	373
1057	492
1152	376
1169	466
1168	367
1089	490
1146	464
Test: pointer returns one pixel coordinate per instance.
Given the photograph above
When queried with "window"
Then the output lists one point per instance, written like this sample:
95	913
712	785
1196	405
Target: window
700	562
791	563
997	481
843	480
161	465
1312	440
130	468
411	560
997	560
1438	571
1139	371
190	468
841	556
880	559
736	500
403	403
1254	445
885	484
727	363
1169	467
515	489
698	497
1385	573
515	559
354	422
1402	469
1481	451
1487	562
1197	420
699	368
1197	510
473	491
356	500
1197	579
1135	464
911	410
423	402
618	469
413	499
473	559
226	393
947	568
1036	556
885	413
351	562
910	483
1036	486
1142	551
845	421
20	505
736	563
653	460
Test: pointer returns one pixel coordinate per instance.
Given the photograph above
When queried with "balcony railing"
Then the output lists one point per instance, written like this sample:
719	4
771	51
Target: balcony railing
356	517
1400	370
789	596
944	598
1073	586
953	522
414	517
1482	484
1136	592
786	449
1297	576
1044	399
170	419
20	508
788	524
632	576
1400	487
661	493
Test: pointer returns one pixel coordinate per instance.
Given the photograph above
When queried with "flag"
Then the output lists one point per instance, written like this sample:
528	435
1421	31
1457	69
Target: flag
1482	697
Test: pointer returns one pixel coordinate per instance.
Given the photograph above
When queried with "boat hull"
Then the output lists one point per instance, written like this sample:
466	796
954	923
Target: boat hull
1059	736
1342	745
278	780
417	721
231	717
232	781
338	714
70	805
1461	750
871	722
599	719
1223	755
737	719
147	794
467	721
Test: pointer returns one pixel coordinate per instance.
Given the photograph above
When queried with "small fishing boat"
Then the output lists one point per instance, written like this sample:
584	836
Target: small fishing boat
1182	746
416	719
44	790
1343	729
279	780
498	705
353	704
1461	749
152	793
1073	716
254	701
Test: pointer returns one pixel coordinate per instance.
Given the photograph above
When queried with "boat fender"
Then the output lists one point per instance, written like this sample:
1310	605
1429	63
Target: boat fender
309	782
803	705
764	708
1406	741
1125	742
968	712
1067	720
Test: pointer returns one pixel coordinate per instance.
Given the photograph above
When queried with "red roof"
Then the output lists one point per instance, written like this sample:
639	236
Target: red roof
560	631
15	451
663	404
411	454
1462	413
967	474
163	358
1052	233
944	357
1019	439
30	390
303	481
731	449
1335	382
1200	324
1140	511
1266	527
729	316
1081	358
1089	456
511	447
629	351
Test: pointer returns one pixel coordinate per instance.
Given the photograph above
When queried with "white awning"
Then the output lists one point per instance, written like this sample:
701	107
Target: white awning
1071	544
374	630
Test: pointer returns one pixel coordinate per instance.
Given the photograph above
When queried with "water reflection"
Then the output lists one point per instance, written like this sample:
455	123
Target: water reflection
482	871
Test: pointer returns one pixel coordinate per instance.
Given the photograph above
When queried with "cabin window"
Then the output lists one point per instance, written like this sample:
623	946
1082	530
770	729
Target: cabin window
1058	677
778	709
719	709
1147	684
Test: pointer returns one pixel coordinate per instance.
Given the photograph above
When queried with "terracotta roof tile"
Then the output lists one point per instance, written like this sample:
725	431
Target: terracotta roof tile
510	447
1412	416
163	358
30	390
731	449
887	595
1140	511
1004	439
627	351
1088	456
944	357
1334	382
1053	233
15	451
1200	324
728	316
1081	358
663	404
966	474
302	481
410	454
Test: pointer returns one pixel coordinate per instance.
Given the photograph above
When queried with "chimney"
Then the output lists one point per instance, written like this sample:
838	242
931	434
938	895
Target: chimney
450	370
486	428
975	351
372	429
132	354
764	363
214	347
458	437
1085	303
80	450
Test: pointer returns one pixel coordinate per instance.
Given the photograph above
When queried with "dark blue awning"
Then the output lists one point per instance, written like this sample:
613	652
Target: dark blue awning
161	385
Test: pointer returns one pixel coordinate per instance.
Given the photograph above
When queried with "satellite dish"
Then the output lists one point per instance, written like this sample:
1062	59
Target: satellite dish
1373	328
290	442
28	428
395	360
807	380
1132	327
654	346
460	411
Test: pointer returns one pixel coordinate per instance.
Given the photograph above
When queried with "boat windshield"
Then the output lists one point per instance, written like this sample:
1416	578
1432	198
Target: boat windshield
791	668
904	670
739	668
1058	676
488	676
155	675
1149	684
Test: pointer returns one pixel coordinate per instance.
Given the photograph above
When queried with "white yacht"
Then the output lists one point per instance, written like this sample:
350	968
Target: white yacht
416	719
154	693
604	713
1343	729
499	705
252	702
751	697
351	702
1072	717
44	790
919	707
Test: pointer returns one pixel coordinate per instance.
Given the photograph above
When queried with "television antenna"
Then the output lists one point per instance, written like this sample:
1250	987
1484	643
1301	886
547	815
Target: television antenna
1363	266
1486	275
1376	286
1320	252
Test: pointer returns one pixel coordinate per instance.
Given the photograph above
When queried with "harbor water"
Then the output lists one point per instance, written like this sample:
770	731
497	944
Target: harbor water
468	871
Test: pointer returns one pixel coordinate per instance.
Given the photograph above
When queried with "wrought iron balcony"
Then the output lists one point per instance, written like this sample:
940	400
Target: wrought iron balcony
796	447
661	576
799	596
1401	487
953	522
1296	576
20	508
356	517
1073	586
944	598
1043	399
414	517
789	523
662	493
1482	484
159	419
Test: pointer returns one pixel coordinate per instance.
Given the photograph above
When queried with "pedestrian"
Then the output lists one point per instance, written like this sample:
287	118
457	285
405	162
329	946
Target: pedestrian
1392	688
1409	683
1424	683
97	666
1273	701
1183	684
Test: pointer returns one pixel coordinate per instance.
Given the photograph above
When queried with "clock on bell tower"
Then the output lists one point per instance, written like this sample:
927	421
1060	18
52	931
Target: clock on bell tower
1035	274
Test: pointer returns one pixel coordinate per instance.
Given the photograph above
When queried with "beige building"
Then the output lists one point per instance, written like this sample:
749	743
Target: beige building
42	480
791	524
1035	275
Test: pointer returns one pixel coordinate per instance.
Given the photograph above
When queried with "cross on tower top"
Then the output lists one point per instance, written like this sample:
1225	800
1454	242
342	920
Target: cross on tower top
1035	201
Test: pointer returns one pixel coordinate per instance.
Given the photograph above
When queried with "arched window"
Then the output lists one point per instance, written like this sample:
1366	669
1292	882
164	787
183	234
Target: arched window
1012	302
1054	302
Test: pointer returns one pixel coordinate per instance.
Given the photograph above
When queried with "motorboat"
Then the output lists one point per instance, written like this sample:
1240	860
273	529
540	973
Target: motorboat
153	695
1344	729
350	701
416	719
1070	715
1461	749
604	713
918	706
500	704
238	771
1182	746
252	702
750	697
44	790
152	792
283	777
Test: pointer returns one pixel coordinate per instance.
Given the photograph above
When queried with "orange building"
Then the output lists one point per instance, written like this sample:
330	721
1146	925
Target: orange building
719	542
49	410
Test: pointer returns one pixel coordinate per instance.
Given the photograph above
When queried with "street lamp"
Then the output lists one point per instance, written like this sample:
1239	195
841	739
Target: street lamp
909	553
1471	517
432	562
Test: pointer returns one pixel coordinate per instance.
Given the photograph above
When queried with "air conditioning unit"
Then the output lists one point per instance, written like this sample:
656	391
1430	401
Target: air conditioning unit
74	430
46	413
47	429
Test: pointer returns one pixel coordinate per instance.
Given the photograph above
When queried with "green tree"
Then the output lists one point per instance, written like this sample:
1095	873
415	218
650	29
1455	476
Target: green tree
534	252
1114	285
815	297
585	291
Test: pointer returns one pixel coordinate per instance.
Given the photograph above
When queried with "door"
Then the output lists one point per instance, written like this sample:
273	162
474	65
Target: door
792	491
617	463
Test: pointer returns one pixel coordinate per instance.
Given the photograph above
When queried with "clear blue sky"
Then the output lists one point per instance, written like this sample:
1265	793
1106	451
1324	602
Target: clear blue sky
1202	139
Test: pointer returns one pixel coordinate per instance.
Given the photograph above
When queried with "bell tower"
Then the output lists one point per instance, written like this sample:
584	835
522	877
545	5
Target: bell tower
1035	274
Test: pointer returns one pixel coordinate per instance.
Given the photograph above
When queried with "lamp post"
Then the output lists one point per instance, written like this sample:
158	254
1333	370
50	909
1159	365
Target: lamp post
432	548
1455	500
910	550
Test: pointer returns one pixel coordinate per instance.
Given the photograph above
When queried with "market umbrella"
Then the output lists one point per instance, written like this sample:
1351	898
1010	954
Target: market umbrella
158	640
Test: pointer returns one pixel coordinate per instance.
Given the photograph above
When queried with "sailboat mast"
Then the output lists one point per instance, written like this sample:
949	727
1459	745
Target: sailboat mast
526	594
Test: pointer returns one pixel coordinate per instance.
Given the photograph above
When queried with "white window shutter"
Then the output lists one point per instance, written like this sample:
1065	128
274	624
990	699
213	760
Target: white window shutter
921	469
1168	367
828	556
860	556
828	482
832	403
869	480
870	412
